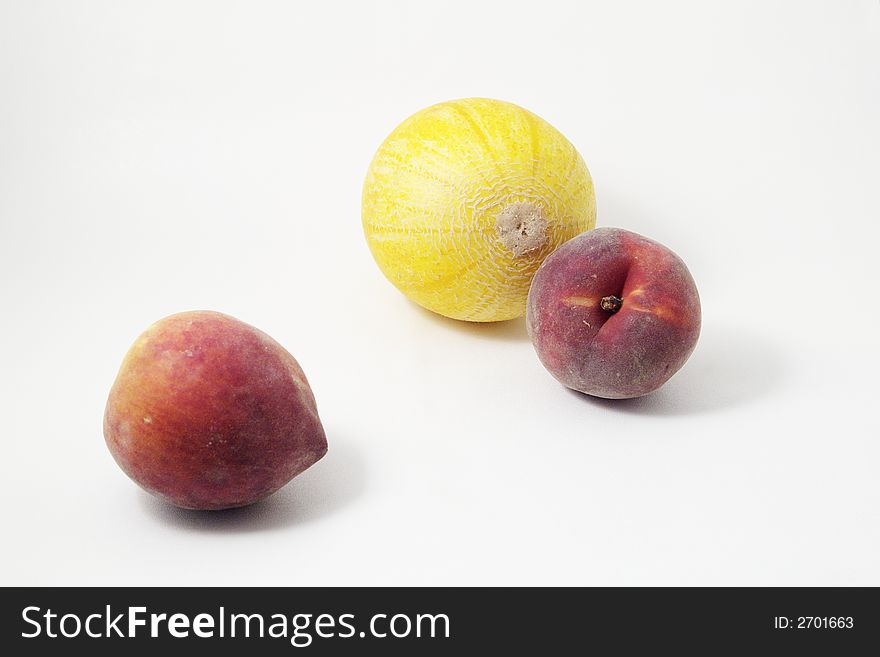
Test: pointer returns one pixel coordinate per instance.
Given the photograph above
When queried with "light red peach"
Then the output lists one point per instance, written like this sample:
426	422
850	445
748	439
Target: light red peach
208	412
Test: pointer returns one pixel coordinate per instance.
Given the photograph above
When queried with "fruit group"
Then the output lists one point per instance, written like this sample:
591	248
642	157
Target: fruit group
210	413
613	314
465	199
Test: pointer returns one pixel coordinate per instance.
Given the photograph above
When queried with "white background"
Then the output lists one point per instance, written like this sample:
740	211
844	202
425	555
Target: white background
165	156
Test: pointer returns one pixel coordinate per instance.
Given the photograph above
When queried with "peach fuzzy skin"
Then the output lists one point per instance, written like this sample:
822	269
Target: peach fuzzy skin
211	413
465	199
613	314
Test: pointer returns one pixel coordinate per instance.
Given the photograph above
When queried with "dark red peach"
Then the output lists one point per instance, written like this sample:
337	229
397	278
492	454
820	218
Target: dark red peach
613	314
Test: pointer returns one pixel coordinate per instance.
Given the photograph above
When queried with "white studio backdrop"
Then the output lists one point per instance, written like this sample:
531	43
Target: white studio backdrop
165	156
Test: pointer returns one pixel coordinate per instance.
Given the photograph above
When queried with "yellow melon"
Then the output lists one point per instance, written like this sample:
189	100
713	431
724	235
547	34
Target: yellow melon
464	200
